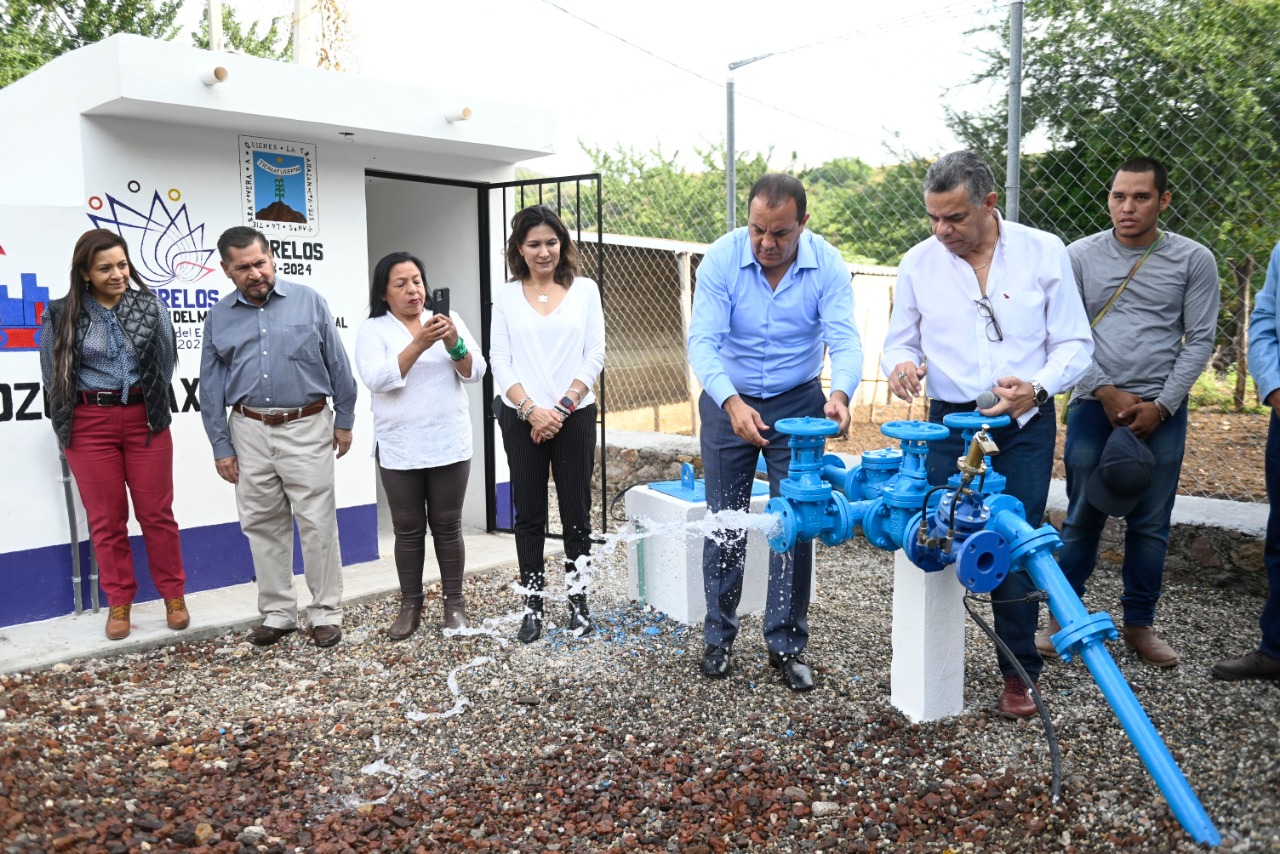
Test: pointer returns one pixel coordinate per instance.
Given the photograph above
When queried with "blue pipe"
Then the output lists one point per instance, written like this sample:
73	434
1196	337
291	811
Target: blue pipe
1033	551
990	535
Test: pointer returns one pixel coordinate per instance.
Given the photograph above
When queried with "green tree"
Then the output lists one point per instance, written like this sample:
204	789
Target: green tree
32	32
1193	82
872	215
649	194
273	43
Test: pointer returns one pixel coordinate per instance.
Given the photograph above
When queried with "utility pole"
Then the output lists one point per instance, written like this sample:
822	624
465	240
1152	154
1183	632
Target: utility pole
731	162
215	25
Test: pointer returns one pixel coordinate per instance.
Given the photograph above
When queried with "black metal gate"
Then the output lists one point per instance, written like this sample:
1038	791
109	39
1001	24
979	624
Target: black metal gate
578	199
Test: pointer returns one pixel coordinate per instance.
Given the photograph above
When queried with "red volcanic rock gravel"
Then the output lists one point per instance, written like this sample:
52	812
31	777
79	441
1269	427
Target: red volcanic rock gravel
616	743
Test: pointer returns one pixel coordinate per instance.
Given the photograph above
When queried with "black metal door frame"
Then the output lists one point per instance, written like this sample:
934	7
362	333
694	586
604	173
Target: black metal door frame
524	196
529	192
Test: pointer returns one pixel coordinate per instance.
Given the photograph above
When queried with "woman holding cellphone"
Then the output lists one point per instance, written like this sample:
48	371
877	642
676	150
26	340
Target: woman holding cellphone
415	363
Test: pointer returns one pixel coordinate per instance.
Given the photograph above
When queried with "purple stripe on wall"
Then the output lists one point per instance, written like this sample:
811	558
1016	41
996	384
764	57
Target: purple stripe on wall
37	582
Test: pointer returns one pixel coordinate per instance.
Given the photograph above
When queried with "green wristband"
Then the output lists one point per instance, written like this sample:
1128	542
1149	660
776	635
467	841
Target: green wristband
458	351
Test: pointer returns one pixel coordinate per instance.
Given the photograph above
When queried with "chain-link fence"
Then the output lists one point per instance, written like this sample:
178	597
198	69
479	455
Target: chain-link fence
1192	82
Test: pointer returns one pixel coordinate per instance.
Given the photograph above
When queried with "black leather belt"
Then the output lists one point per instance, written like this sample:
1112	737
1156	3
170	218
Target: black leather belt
948	408
274	419
110	398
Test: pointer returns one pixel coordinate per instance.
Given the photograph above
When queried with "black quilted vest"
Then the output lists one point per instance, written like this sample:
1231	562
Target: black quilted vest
139	316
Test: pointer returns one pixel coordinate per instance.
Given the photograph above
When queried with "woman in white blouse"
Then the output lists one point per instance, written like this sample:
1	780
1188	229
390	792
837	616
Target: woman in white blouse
415	362
546	343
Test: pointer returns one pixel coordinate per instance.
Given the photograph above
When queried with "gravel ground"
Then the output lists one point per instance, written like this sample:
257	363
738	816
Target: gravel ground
615	742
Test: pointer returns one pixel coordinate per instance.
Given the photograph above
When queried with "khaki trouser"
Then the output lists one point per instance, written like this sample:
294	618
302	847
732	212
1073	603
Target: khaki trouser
286	474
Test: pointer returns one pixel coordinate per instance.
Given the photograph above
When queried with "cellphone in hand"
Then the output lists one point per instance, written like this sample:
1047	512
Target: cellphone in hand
440	301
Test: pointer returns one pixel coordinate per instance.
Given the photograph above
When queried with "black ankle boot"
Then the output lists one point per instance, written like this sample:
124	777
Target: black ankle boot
579	616
406	622
531	625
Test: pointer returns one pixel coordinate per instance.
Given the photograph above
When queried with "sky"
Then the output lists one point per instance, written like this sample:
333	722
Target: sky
847	78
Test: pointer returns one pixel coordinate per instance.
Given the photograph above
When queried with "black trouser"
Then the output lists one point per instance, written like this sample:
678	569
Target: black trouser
416	498
570	458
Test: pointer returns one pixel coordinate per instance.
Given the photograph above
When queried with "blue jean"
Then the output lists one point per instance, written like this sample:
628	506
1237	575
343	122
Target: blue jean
729	466
1270	620
1026	461
1146	538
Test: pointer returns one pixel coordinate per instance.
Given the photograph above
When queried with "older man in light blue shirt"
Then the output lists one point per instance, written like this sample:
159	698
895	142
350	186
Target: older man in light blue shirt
768	298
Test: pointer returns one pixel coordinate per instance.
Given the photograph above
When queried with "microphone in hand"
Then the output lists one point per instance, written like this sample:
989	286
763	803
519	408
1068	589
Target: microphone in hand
986	400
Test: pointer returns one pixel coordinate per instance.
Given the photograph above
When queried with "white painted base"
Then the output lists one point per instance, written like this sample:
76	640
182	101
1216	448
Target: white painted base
927	674
665	569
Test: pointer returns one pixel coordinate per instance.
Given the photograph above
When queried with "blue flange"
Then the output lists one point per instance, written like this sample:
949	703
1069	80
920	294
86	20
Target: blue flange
839	521
930	560
983	561
878	528
783	538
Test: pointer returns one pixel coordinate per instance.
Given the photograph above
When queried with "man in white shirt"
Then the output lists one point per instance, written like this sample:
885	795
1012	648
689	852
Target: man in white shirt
990	305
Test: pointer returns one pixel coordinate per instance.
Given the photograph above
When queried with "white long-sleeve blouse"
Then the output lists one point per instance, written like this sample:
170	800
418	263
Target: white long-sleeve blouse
420	420
546	354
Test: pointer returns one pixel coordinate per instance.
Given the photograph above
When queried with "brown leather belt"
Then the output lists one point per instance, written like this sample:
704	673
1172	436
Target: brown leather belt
275	419
109	398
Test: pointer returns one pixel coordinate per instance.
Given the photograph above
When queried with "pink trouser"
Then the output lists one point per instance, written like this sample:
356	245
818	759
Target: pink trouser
109	451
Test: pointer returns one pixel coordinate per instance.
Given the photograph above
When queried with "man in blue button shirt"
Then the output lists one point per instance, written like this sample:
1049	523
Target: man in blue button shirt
271	353
1264	364
768	297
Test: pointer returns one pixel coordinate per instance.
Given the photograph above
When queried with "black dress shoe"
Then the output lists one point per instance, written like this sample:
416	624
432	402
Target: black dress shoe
326	635
530	628
795	672
715	662
267	635
579	616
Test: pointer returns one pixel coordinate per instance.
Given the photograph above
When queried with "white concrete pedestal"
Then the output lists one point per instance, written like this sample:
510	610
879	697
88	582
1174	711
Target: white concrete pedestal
664	569
927	674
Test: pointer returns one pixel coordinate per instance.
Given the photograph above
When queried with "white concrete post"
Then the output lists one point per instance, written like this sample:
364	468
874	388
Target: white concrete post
927	675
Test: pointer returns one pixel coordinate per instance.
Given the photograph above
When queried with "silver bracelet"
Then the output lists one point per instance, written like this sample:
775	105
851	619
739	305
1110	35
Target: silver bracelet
523	416
528	412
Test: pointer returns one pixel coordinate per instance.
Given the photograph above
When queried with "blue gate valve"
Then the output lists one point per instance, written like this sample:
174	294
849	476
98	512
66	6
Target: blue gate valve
984	534
866	480
885	522
808	507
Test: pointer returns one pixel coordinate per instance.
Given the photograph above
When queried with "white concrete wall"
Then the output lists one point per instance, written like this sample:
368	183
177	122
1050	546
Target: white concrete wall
202	167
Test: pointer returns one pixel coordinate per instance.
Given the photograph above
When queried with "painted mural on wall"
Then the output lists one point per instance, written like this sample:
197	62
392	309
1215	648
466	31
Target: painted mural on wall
173	255
21	310
279	186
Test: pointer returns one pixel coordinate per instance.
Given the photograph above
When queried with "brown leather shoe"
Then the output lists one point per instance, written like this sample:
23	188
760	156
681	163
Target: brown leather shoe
1016	702
406	622
1255	665
455	616
175	613
118	625
1153	650
267	635
1044	638
326	635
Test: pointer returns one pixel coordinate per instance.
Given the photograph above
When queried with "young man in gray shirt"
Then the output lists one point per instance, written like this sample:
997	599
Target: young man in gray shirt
1152	298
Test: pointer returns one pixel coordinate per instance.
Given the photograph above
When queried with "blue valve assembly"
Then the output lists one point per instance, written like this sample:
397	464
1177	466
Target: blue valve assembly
971	526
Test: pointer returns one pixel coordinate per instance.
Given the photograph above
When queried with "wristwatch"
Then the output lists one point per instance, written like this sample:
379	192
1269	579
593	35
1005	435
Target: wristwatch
1042	393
